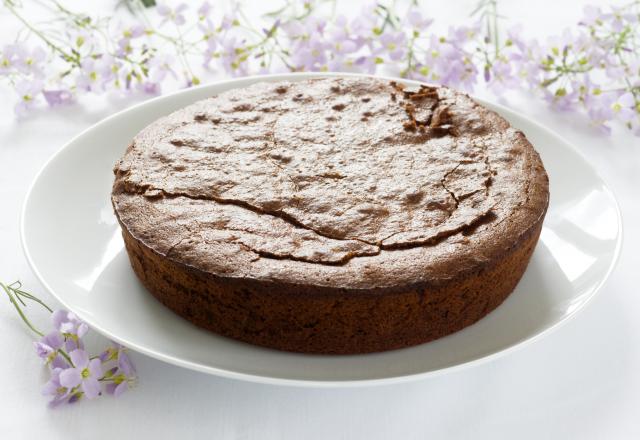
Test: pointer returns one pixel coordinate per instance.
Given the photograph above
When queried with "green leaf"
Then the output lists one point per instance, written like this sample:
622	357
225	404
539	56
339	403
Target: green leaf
148	3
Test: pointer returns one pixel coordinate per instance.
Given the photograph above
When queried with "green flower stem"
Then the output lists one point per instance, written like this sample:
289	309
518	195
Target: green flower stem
27	295
493	17
12	297
180	45
66	56
66	356
15	293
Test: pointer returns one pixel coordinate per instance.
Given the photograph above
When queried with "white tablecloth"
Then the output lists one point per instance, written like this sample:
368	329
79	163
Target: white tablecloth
581	381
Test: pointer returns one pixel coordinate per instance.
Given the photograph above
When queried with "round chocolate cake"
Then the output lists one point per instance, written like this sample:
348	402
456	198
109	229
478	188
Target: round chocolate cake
337	215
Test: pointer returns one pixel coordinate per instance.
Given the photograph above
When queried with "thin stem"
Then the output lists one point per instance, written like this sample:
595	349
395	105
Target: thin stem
494	19
10	294
66	356
410	55
11	7
181	52
14	292
27	295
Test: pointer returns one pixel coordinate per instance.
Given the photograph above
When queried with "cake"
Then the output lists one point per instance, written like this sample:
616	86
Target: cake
333	215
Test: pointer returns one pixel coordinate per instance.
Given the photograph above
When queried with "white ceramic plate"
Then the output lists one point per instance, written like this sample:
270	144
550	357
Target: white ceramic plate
73	243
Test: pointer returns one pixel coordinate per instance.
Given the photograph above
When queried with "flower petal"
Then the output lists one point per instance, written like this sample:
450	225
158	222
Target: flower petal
95	368
53	339
50	388
42	349
58	400
82	329
627	100
79	358
58	317
110	388
59	362
104	356
125	365
121	388
67	327
70	377
91	387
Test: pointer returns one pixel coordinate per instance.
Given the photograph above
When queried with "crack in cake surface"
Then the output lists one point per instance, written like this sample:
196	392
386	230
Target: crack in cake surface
333	172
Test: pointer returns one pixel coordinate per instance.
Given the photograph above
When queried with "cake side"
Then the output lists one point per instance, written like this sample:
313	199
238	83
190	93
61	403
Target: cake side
330	321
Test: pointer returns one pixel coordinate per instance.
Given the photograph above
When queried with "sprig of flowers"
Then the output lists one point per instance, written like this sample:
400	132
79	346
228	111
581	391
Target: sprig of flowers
594	66
74	374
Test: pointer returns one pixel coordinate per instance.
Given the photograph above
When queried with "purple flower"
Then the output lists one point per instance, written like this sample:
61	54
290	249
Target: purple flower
174	15
604	47
502	76
8	58
600	110
128	34
71	327
204	10
525	58
229	20
47	348
623	107
314	57
562	98
151	88
234	56
394	43
122	374
29	62
54	388
340	40
592	15
28	91
366	23
209	35
93	76
448	62
366	64
309	43
124	363
68	322
57	97
515	39
417	21
18	58
134	31
294	30
160	67
116	388
85	374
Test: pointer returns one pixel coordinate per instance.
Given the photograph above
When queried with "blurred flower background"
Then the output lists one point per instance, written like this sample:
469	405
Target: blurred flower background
149	47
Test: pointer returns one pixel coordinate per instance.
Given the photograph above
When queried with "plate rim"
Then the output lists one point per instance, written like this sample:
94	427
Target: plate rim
318	383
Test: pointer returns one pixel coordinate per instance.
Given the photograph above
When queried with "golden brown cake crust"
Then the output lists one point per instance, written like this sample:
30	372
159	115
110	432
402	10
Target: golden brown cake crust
320	215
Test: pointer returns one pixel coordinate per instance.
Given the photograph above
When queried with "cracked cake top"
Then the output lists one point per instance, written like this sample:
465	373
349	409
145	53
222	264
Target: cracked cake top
343	182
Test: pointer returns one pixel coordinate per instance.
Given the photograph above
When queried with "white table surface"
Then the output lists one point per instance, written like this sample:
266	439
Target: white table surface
582	381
